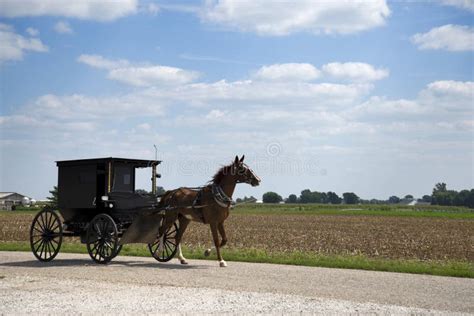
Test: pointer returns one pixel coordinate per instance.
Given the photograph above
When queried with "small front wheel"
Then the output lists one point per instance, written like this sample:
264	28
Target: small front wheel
46	235
164	248
102	239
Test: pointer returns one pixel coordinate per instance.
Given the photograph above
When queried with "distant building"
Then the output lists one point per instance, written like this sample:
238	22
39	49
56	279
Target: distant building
9	200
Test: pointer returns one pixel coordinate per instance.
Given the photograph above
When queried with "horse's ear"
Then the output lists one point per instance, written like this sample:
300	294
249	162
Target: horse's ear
242	159
236	162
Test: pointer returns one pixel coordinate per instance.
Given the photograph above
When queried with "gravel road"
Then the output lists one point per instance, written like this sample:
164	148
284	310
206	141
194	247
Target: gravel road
73	283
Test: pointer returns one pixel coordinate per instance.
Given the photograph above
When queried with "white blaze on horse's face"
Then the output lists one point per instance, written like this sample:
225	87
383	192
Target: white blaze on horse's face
250	176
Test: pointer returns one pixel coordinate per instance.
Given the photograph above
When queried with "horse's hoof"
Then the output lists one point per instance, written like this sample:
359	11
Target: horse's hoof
207	252
222	264
183	261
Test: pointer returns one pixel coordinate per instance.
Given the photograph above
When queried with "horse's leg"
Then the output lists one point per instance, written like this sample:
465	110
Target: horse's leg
220	227
183	224
215	236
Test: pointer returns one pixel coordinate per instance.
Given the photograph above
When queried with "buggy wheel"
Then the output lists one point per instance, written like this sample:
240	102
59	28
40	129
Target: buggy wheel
119	248
164	248
102	238
46	235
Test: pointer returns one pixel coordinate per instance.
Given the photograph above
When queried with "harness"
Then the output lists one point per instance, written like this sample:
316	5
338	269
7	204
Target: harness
220	197
218	194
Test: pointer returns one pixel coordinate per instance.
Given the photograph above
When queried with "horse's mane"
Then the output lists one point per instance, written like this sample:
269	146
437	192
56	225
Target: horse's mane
221	173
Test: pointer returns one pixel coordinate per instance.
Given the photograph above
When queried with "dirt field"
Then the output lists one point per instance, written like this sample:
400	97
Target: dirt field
375	236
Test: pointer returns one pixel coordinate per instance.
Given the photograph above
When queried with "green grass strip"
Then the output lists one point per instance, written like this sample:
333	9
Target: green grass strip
462	269
354	210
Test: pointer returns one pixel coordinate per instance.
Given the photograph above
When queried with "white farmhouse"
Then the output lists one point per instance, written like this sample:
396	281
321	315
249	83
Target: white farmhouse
8	200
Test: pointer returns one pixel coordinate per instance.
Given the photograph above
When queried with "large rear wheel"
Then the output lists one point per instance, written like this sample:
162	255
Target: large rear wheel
164	248
102	239
46	235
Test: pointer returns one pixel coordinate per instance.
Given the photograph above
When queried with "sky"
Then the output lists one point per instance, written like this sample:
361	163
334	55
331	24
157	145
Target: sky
372	97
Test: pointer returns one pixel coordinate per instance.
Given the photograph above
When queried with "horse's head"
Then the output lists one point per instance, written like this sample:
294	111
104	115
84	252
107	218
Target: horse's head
243	173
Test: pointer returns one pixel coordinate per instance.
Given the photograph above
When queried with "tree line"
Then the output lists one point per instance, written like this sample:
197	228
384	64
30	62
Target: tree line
440	196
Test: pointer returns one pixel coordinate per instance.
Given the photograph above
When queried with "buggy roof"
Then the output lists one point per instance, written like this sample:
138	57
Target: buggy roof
137	163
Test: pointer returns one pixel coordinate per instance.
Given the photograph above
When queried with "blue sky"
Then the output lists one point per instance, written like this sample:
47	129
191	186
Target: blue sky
372	97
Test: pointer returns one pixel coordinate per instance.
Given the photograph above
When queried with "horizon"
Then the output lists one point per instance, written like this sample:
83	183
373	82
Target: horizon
375	98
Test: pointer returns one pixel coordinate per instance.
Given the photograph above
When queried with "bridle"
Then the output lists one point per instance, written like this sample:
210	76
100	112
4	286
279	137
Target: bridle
248	180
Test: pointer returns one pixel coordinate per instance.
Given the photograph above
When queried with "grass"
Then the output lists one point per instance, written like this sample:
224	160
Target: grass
450	212
463	269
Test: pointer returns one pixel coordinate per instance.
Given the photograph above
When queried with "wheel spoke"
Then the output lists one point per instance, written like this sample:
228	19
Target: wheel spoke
53	247
37	248
170	249
58	224
42	248
95	246
38	220
49	217
39	231
97	229
48	246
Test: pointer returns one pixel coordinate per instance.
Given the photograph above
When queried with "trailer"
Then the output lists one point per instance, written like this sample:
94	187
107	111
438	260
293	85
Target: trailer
98	204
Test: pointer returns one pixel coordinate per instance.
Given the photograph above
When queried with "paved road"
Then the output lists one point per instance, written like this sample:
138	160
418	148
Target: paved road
73	283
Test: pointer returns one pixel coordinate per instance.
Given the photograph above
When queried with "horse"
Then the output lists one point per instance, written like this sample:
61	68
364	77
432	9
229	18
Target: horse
208	205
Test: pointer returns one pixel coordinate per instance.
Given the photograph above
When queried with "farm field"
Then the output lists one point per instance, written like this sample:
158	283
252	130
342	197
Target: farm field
429	235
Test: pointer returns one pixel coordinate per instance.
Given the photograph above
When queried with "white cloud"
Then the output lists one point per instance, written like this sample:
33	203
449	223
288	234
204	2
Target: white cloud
462	4
153	8
354	71
152	75
81	107
457	96
377	108
215	114
14	45
438	101
448	37
144	127
32	31
100	62
288	72
139	75
273	93
63	27
85	9
283	17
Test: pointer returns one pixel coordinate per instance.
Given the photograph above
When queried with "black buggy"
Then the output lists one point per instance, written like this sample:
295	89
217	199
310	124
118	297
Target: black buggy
98	203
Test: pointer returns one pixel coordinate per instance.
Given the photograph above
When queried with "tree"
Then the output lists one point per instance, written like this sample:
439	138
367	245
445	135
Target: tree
462	198
426	198
350	198
53	199
305	196
409	197
160	190
292	198
333	198
393	199
439	187
271	197
313	197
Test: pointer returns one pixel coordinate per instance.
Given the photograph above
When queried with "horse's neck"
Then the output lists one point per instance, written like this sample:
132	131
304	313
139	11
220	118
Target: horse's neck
228	186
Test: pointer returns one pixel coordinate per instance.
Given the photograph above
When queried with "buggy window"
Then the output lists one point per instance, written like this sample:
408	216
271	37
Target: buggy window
123	179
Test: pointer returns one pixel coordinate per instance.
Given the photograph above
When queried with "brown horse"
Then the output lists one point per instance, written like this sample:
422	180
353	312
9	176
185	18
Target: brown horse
208	205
